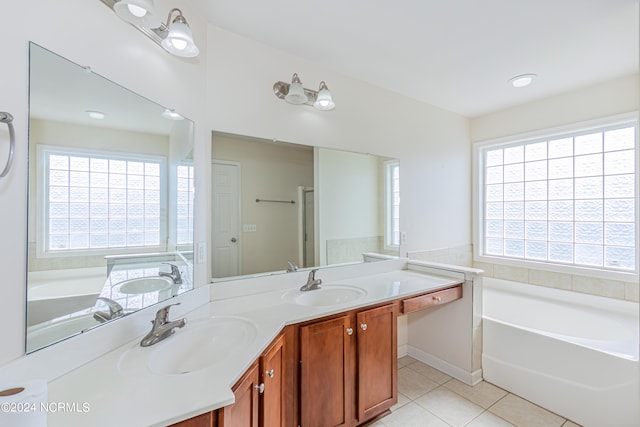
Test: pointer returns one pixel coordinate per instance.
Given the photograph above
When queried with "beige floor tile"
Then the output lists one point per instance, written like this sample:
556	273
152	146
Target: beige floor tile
429	372
525	414
412	415
487	419
405	360
483	393
454	409
570	424
376	424
413	384
402	400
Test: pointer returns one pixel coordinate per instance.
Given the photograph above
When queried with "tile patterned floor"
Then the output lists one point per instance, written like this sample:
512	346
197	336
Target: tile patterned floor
430	398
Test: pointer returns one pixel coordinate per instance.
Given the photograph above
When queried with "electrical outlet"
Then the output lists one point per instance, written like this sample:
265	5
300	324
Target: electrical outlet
403	237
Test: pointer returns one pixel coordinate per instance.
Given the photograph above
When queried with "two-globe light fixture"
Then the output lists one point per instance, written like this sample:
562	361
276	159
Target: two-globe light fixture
295	93
174	36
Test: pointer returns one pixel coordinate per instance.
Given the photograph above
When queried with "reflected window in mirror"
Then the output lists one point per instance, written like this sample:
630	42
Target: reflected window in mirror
392	204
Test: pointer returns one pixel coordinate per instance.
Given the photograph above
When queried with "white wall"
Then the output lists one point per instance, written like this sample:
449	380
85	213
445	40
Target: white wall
88	33
227	88
432	144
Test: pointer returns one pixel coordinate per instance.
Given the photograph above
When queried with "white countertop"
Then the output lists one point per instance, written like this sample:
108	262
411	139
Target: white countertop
115	394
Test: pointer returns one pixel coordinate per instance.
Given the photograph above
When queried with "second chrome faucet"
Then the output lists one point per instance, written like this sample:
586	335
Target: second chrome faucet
312	282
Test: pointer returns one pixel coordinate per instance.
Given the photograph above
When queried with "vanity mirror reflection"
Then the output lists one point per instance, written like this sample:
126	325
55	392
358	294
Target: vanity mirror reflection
275	204
110	226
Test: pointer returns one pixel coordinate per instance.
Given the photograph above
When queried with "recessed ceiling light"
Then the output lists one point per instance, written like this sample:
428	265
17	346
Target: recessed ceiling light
171	115
522	80
98	115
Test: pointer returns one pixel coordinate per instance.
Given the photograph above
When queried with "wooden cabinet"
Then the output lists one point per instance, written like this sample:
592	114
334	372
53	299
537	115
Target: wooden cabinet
377	360
348	370
273	371
431	299
244	412
210	419
326	378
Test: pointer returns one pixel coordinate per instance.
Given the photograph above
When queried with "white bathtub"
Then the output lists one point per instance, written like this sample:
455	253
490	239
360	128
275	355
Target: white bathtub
55	293
574	354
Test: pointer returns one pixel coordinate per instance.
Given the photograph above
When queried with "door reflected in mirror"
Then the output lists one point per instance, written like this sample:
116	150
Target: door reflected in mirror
110	227
277	206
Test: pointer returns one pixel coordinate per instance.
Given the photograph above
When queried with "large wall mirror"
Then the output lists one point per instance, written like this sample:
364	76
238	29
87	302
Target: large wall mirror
275	204
110	227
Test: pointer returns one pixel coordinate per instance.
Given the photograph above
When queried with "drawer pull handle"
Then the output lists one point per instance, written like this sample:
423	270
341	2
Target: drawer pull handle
270	373
349	331
363	326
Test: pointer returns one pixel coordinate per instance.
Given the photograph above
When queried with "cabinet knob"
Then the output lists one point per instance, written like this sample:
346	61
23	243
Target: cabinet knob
259	387
270	373
363	326
438	299
349	331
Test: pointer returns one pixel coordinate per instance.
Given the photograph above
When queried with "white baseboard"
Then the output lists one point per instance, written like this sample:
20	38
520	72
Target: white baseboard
403	350
470	378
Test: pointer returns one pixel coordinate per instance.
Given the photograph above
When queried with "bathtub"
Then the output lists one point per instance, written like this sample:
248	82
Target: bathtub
574	354
56	293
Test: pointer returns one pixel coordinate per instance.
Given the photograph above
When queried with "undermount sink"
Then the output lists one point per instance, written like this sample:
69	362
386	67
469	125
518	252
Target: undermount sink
143	285
197	346
327	295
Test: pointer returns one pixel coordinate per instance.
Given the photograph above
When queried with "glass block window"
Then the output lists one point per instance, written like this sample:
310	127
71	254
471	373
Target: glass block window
100	201
184	226
568	199
392	198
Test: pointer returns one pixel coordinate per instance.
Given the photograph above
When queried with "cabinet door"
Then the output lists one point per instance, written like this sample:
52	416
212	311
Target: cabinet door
273	368
326	380
244	412
377	360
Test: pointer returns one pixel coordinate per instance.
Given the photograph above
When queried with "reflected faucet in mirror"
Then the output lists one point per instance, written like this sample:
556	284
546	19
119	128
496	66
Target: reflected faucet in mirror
115	310
174	275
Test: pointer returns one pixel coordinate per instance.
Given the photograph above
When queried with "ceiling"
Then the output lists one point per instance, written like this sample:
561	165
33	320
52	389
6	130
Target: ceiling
454	54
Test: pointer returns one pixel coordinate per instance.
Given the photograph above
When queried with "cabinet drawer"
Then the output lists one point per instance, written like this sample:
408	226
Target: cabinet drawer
431	299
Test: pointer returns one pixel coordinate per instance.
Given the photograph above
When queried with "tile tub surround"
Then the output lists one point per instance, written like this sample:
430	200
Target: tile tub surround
190	395
428	397
629	291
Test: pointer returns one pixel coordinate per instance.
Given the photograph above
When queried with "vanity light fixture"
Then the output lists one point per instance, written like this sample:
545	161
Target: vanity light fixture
295	93
522	80
137	12
174	36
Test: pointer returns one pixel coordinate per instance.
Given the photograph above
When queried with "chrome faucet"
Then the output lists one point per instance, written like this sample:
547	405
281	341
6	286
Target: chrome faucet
174	275
292	267
162	328
312	282
115	310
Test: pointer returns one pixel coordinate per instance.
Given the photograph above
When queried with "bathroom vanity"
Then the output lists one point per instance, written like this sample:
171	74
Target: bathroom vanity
338	370
262	352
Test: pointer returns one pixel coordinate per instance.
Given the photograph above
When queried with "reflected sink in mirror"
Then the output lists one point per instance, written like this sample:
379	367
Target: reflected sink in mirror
143	285
199	345
325	296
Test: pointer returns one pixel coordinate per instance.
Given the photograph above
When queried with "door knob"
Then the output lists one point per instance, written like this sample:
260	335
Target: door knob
349	331
363	326
259	387
233	240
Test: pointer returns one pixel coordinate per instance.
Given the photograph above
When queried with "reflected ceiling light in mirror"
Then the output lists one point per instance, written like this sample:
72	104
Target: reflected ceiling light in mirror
98	115
174	36
137	12
522	80
295	93
171	115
